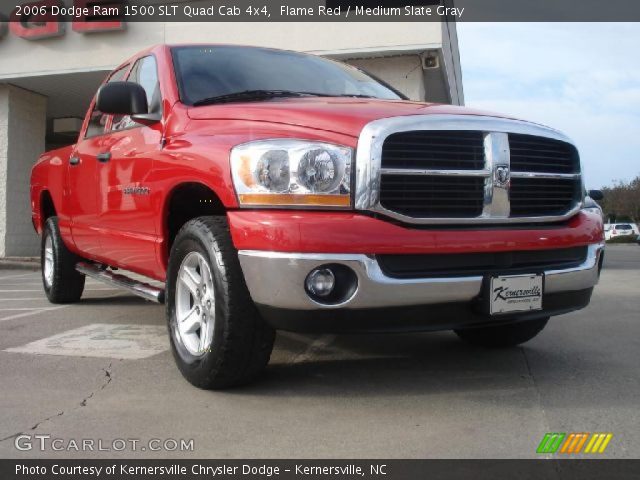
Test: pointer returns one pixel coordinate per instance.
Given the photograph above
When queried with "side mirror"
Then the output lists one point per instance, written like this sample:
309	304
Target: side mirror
122	98
596	194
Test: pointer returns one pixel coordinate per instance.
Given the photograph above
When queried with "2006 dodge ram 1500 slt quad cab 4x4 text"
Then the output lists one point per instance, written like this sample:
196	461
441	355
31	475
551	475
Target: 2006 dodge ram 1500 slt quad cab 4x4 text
271	190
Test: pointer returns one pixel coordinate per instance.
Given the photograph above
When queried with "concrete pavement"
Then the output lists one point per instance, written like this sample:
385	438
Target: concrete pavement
368	396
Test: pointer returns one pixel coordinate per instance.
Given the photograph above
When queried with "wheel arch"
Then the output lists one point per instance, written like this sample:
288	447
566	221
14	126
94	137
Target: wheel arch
184	202
46	209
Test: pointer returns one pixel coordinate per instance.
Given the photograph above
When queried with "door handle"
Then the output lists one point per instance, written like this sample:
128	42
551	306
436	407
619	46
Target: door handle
74	161
104	157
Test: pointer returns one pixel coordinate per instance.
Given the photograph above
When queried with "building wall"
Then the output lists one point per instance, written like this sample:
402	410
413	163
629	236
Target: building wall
402	72
22	136
102	51
67	69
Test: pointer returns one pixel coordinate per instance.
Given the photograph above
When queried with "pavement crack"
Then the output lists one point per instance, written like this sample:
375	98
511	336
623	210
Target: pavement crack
10	437
59	414
536	388
545	420
108	376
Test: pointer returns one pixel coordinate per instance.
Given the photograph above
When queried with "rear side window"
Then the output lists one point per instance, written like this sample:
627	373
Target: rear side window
98	120
145	74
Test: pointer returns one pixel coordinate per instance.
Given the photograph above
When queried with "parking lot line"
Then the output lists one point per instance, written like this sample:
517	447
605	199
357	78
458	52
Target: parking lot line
28	281
314	347
40	289
22	299
24	309
122	341
33	312
19	276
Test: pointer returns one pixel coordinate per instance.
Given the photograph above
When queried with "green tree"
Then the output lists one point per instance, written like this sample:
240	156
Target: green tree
621	201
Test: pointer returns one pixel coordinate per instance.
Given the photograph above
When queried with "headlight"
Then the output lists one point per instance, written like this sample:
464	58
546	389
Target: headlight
292	172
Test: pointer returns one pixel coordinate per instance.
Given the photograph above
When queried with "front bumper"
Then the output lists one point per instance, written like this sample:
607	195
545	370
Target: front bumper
276	283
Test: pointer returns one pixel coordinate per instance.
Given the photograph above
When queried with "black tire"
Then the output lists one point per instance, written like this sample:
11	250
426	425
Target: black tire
66	284
241	342
502	336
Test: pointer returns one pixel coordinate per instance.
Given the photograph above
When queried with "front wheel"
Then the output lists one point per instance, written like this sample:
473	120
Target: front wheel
501	336
218	338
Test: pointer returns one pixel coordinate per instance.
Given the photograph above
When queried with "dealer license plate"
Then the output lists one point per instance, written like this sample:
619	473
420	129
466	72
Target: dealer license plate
515	293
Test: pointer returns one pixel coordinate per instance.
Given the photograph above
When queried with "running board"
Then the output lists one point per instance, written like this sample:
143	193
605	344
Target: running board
144	290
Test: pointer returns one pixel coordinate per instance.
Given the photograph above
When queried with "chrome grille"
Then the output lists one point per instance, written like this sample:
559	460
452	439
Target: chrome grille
466	169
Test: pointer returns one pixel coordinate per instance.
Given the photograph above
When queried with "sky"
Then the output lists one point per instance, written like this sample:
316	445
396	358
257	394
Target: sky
581	78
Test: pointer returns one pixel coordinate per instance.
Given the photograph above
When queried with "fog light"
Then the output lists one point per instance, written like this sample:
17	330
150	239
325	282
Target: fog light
320	282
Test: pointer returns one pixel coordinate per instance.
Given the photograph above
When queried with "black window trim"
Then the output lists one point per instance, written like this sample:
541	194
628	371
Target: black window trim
134	125
126	67
129	68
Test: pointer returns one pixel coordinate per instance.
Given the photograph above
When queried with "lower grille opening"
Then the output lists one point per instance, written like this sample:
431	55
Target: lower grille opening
467	264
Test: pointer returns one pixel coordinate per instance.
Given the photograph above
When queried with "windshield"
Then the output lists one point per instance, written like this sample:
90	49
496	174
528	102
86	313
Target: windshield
210	71
624	226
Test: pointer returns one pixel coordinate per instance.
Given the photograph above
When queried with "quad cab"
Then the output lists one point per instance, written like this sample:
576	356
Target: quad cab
272	190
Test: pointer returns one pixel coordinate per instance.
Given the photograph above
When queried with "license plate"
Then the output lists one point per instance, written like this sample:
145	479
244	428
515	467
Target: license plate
515	293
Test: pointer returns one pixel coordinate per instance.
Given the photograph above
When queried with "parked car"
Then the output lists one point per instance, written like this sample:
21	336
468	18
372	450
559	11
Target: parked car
614	230
273	190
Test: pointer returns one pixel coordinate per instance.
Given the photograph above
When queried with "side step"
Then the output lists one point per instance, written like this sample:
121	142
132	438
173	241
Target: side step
144	290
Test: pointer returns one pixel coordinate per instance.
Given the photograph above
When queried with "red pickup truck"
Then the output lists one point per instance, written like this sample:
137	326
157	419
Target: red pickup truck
270	189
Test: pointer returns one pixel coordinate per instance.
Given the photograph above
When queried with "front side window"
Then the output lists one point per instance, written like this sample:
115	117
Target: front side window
212	71
145	74
98	120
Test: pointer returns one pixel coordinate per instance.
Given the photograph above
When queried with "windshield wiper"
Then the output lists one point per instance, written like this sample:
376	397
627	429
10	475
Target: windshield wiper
353	95
255	95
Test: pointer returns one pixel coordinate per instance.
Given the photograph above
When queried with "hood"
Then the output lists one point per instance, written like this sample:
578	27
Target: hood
342	115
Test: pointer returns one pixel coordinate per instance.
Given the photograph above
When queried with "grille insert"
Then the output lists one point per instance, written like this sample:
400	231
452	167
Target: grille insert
432	196
539	154
542	197
434	150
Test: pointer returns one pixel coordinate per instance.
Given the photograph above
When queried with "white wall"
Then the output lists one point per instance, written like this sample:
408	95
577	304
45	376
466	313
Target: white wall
402	72
22	137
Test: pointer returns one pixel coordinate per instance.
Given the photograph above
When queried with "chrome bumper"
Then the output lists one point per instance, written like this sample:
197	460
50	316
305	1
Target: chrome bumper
277	280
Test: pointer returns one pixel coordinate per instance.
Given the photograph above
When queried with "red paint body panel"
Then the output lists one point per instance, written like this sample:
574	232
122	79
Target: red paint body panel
100	222
50	175
321	232
341	115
